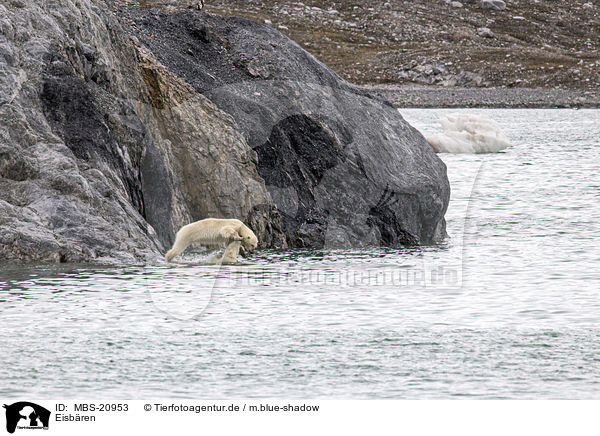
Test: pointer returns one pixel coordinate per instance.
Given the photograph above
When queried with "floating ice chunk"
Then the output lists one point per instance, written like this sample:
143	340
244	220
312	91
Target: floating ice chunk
465	133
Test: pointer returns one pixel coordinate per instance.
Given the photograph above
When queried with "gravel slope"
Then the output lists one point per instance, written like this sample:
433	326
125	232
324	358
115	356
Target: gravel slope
534	44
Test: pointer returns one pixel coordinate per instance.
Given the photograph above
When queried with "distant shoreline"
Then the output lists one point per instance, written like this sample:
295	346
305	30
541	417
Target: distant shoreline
437	97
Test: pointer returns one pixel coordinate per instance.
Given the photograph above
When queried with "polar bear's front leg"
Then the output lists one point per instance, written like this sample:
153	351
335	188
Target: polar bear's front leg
229	234
229	256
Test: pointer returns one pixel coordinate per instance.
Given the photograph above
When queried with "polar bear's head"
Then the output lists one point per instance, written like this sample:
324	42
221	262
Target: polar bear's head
249	239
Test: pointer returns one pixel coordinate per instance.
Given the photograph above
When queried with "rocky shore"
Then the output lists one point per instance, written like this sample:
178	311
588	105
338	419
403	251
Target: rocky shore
435	97
437	48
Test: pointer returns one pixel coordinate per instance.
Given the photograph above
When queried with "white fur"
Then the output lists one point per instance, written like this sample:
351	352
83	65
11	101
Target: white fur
213	232
468	133
229	256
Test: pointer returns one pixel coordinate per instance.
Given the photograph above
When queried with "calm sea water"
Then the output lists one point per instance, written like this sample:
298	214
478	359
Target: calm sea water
507	307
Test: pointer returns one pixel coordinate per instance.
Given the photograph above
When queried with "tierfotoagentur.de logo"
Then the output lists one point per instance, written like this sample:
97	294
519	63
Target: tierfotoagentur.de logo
26	415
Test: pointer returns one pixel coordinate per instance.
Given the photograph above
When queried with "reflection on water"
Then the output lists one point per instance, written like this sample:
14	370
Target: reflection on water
507	307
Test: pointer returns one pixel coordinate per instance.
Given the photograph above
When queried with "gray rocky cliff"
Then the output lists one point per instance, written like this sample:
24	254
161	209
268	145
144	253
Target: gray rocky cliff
343	168
103	152
106	151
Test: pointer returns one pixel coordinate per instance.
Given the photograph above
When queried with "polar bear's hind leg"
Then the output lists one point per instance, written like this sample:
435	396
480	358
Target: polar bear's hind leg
182	241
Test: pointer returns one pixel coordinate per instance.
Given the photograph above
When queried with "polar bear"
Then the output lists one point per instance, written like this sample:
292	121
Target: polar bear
229	256
213	232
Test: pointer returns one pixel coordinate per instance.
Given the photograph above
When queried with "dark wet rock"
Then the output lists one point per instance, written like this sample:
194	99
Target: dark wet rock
342	167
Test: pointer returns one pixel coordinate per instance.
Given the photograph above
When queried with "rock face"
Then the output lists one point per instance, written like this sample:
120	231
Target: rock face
105	152
342	167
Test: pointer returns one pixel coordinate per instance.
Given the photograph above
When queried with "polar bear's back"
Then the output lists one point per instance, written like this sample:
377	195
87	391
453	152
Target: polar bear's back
208	229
